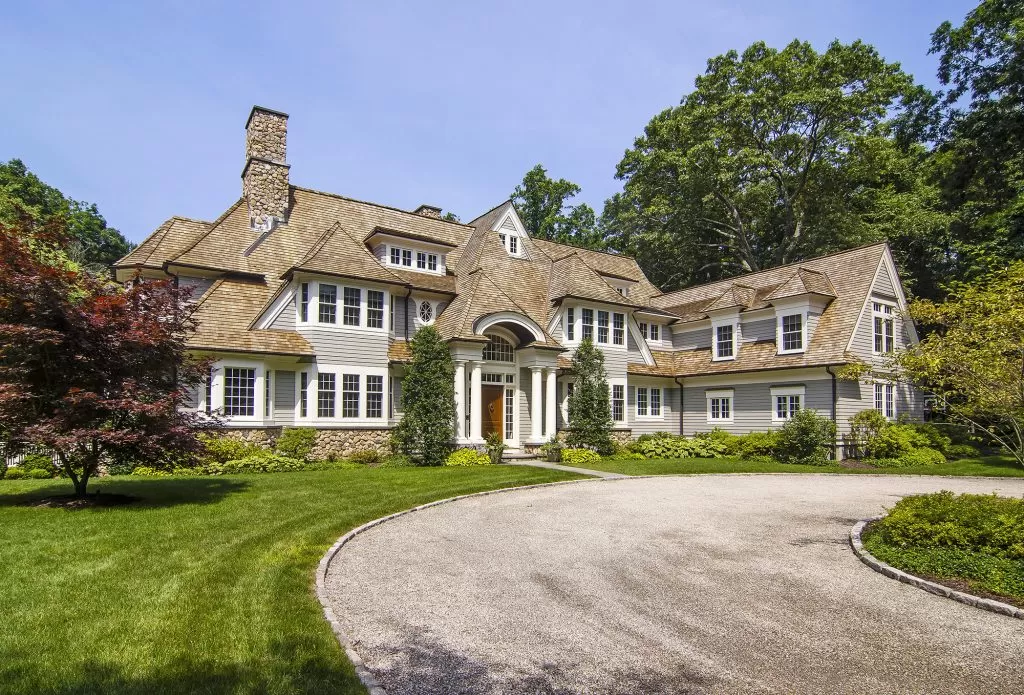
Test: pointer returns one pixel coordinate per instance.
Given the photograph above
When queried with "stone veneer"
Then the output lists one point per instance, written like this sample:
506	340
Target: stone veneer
265	176
336	443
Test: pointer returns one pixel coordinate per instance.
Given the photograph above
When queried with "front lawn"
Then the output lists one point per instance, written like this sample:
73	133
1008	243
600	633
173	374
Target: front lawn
203	586
984	466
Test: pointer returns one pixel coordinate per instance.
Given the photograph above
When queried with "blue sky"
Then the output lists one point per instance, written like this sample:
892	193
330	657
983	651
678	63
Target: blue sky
140	107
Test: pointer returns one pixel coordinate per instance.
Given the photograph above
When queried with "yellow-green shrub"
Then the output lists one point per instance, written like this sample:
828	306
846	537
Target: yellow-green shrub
467	457
580	457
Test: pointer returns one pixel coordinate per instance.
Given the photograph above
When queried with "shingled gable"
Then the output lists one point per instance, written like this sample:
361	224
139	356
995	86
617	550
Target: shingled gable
338	254
169	239
572	277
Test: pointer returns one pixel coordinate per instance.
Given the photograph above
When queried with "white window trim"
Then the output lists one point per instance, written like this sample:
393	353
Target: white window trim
578	326
217	393
721	393
624	422
782	313
414	250
339	325
361	422
715	325
786	391
895	398
417	322
636	402
886	317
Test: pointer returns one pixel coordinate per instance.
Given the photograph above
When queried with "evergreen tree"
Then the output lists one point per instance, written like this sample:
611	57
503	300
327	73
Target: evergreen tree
590	413
428	392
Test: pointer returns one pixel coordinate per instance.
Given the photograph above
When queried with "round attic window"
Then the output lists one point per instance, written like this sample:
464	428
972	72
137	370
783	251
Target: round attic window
426	312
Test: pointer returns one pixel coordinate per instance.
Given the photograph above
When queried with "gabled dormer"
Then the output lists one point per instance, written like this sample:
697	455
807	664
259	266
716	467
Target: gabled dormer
406	251
511	232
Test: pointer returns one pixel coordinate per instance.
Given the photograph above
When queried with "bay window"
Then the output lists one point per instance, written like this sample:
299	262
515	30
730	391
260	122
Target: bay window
327	304
239	391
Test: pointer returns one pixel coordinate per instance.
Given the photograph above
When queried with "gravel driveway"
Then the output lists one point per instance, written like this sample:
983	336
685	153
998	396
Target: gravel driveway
704	584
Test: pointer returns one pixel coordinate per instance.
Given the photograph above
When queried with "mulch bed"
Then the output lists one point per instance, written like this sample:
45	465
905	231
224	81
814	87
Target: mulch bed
99	499
856	465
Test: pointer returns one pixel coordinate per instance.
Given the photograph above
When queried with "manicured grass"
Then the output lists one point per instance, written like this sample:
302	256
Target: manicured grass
984	466
203	586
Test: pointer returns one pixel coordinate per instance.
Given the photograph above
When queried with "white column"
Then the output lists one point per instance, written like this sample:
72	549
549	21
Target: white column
460	400
550	402
536	413
475	403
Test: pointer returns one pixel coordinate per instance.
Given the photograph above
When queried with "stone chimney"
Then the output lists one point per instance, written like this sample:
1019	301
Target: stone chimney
428	211
265	176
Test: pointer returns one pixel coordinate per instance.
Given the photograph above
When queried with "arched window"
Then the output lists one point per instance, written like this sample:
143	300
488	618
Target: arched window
498	349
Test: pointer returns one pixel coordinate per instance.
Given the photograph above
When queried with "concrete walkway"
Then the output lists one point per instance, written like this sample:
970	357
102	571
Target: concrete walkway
702	584
571	469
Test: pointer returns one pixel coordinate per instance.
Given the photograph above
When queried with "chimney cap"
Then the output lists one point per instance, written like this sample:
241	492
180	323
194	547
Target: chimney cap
263	109
428	211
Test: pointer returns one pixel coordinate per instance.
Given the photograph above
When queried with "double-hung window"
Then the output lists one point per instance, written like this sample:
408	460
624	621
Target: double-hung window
570	324
353	298
602	327
643	329
588	323
407	258
792	331
350	395
725	342
396	256
648	401
374	396
655	332
421	260
719	405
239	391
618	402
618	329
885	400
786	400
303	394
327	307
374	309
884	326
304	302
325	395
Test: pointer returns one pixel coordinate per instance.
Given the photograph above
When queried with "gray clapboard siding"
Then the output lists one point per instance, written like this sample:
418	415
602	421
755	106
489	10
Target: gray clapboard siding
285	321
752	405
615	362
198	285
284	397
400	306
556	331
755	331
351	348
884	283
525	399
688	340
812	324
634	353
669	420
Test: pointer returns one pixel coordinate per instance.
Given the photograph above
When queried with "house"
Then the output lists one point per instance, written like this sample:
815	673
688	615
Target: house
306	302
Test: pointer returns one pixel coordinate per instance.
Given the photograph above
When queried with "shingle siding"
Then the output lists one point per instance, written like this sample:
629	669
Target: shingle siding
752	405
352	348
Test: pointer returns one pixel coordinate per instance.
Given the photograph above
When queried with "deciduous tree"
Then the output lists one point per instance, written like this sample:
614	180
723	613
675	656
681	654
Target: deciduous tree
89	369
543	205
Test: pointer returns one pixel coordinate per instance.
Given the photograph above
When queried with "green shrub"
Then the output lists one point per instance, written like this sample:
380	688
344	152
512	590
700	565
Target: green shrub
39	462
552	449
149	472
467	457
730	442
264	462
757	446
396	461
294	443
495	447
672	446
121	467
627	456
895	441
366	457
987	523
221	449
580	457
38	474
806	438
864	427
955	452
16	474
936	438
924	456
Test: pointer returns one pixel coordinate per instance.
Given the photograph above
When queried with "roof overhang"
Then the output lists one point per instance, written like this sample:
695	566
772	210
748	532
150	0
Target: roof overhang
385	234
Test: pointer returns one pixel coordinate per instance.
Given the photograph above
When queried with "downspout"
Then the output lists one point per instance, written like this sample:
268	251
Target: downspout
682	409
835	419
407	295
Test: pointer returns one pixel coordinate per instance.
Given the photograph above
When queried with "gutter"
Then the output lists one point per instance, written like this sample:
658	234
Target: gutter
835	405
682	410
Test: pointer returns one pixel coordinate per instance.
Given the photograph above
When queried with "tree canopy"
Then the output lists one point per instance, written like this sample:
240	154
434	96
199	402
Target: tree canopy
88	369
543	205
89	241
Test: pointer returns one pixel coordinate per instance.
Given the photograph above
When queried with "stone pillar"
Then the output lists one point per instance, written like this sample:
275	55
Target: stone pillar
536	401
550	402
460	400
475	403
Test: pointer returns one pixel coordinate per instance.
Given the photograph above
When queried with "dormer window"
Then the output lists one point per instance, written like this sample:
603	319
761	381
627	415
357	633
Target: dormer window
426	261
510	242
792	333
415	259
725	342
650	332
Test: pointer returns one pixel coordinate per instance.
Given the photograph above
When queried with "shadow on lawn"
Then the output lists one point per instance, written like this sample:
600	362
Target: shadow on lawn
148	493
289	666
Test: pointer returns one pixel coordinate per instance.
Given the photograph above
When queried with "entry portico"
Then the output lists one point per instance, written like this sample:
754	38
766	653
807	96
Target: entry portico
506	381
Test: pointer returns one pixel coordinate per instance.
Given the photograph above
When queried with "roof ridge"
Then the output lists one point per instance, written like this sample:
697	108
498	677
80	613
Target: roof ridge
189	219
796	264
377	205
583	248
488	212
166	226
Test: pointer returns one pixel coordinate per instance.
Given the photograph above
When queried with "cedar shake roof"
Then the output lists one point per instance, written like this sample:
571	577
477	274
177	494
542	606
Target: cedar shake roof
572	277
169	239
399	352
224	314
338	253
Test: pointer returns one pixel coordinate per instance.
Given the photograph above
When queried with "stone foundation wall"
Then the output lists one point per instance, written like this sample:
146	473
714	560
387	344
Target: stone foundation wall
336	443
619	436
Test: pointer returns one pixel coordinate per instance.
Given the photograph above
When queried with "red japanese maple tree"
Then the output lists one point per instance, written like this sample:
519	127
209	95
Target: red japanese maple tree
88	368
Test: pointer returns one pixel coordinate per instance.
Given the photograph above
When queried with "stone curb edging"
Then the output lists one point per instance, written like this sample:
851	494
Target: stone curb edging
931	587
366	677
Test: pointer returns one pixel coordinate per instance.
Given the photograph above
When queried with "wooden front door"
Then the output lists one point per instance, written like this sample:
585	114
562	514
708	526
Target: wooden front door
493	410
